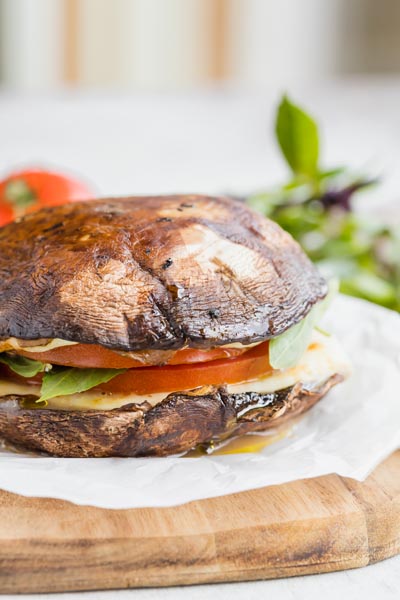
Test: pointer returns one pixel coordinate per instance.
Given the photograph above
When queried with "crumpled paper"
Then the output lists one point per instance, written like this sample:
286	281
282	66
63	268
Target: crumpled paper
349	432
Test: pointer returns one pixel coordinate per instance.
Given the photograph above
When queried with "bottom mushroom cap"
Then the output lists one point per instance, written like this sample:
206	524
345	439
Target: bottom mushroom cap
179	423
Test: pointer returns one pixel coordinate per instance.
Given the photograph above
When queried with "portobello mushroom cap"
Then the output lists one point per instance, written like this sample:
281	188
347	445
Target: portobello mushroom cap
179	423
152	273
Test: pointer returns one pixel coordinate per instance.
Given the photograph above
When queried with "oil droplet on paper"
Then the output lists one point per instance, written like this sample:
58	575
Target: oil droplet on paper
248	443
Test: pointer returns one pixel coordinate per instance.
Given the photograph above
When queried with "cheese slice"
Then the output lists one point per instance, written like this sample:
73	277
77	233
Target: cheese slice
90	400
29	345
323	358
46	345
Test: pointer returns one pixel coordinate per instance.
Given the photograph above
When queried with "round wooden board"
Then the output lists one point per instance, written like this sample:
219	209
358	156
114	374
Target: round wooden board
310	526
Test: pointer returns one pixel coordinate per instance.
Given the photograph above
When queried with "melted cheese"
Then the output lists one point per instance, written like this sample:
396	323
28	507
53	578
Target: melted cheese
323	358
49	344
28	345
89	400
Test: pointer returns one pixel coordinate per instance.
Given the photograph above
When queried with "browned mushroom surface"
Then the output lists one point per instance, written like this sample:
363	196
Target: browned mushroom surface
152	273
177	424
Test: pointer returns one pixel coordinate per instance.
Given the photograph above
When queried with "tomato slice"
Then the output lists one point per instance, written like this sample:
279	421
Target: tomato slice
192	355
151	380
98	357
171	378
8	374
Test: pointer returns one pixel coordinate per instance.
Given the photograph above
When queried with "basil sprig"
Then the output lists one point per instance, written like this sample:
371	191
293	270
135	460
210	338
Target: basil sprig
315	205
286	350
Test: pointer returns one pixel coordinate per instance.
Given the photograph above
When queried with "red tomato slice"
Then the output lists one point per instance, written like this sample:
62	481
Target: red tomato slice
98	357
192	355
7	373
25	191
150	380
171	378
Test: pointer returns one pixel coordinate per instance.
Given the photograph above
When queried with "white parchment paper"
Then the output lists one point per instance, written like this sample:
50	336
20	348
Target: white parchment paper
349	432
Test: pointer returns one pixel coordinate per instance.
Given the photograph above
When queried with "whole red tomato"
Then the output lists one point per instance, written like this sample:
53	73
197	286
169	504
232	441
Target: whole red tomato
25	191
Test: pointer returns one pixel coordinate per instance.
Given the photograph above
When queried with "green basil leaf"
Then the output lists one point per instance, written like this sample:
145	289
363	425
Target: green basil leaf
286	350
63	381
21	365
297	135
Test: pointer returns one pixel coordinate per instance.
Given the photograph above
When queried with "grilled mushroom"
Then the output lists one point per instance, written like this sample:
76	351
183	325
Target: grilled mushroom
178	424
152	273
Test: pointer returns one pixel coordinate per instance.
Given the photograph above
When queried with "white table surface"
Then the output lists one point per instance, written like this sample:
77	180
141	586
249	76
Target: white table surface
210	142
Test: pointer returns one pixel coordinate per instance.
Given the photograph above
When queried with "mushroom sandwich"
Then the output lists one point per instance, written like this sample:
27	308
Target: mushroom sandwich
147	326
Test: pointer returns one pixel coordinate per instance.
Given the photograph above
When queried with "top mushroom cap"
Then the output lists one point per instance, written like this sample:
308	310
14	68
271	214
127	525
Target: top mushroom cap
161	272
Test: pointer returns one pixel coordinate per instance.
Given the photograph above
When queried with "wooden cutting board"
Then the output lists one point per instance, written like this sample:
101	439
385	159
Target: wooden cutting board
311	526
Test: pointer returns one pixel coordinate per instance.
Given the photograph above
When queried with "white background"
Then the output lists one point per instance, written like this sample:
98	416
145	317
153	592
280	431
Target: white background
168	44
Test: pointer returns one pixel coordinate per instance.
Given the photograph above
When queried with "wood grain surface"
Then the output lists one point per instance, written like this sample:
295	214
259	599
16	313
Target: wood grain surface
311	526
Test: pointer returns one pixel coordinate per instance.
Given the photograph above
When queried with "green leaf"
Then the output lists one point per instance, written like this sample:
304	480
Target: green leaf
286	350
21	365
61	381
297	135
